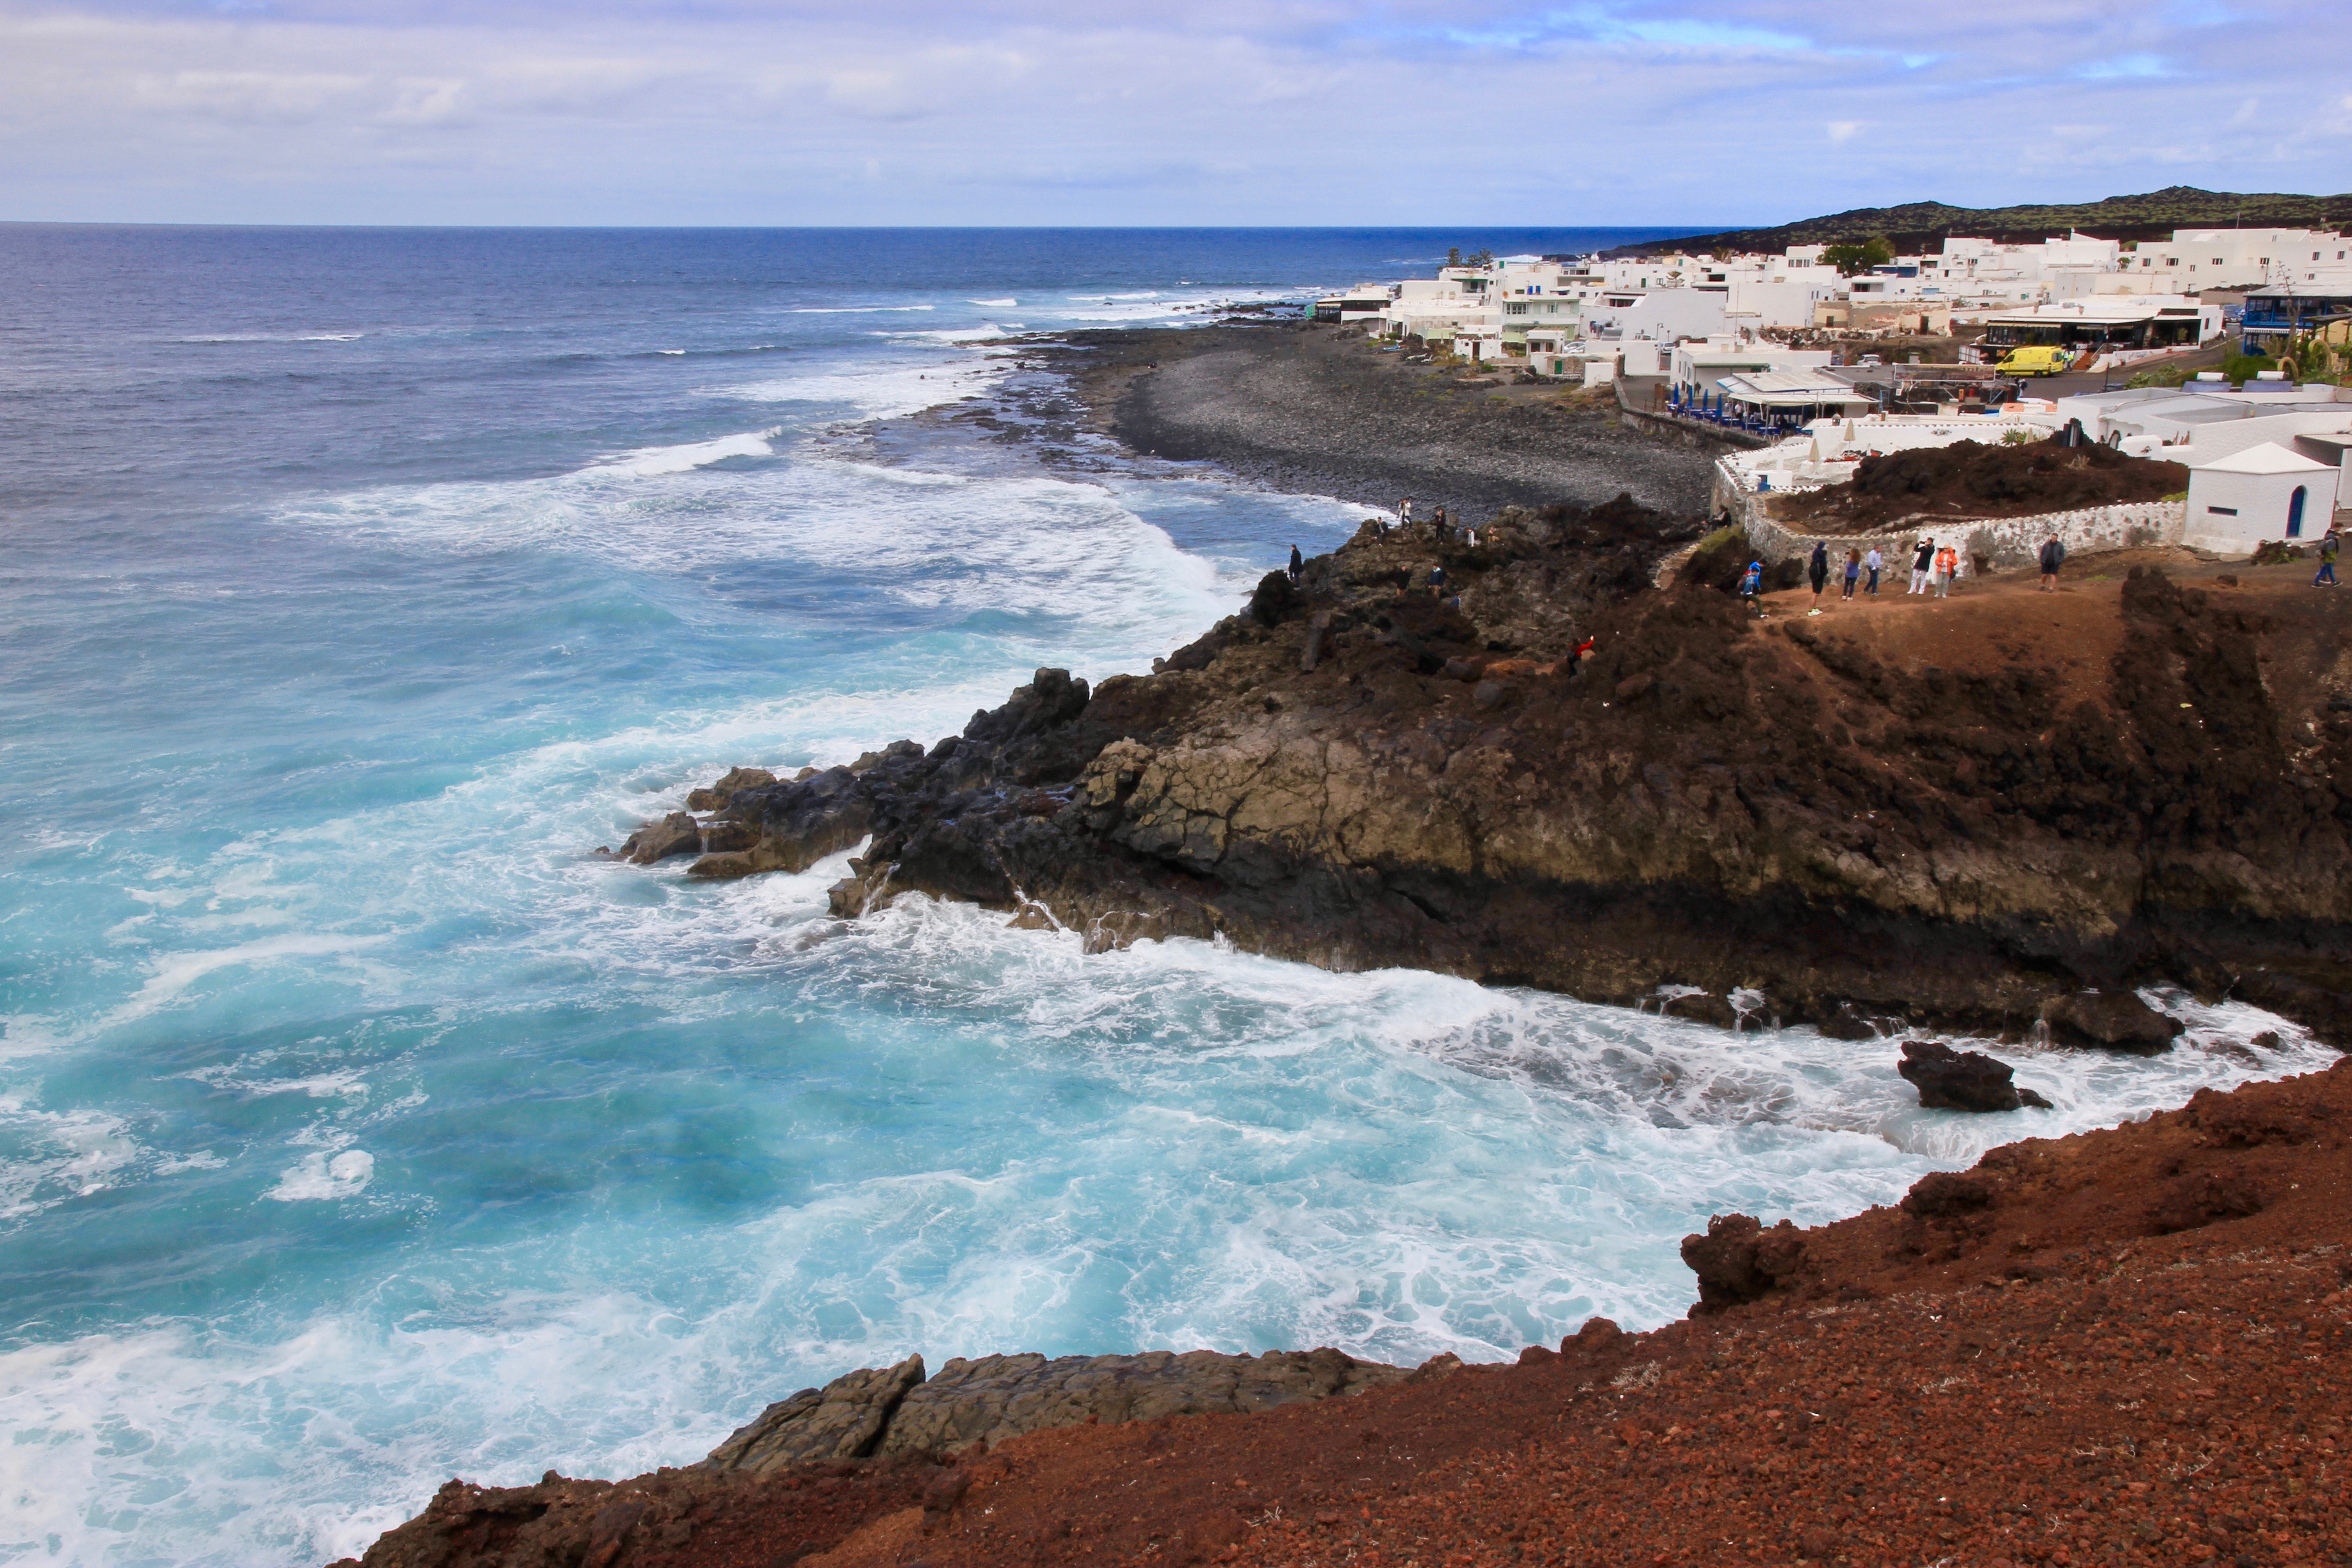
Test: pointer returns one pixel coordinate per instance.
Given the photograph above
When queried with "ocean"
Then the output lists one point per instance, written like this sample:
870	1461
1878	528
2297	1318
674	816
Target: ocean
360	1128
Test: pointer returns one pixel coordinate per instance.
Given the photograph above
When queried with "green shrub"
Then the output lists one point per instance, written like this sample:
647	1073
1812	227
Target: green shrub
2242	368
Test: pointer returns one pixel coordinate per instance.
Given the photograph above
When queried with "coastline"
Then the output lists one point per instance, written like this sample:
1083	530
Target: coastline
1313	408
954	820
2153	1318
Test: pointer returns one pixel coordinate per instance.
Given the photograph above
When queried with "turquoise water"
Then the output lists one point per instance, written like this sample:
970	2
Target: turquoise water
359	1127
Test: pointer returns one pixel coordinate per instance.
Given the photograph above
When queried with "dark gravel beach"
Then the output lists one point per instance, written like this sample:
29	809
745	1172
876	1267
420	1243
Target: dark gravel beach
1322	411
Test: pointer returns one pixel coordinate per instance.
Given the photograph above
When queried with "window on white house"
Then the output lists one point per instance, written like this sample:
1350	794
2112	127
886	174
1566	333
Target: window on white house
2223	510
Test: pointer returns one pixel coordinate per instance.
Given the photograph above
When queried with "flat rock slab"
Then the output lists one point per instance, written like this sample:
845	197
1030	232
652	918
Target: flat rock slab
894	1410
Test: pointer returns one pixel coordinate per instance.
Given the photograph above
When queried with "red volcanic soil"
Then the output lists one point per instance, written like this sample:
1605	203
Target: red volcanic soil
2119	1348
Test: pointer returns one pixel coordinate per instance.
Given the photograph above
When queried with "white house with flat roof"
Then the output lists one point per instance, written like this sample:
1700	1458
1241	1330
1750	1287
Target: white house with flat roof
2265	493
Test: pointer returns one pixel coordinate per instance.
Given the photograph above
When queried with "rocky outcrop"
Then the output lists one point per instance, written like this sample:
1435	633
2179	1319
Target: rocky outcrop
2115	1019
1766	824
897	1410
1949	1079
677	834
1738	1260
844	1420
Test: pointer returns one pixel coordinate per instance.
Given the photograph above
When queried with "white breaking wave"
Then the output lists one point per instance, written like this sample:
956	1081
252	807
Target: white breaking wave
652	461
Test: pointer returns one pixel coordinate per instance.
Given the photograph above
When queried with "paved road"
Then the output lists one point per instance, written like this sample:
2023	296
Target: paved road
2209	358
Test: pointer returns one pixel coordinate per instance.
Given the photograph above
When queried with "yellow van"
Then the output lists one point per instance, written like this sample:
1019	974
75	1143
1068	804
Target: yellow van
2036	361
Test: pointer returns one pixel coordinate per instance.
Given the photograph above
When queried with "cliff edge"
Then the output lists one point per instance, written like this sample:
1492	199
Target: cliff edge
2003	811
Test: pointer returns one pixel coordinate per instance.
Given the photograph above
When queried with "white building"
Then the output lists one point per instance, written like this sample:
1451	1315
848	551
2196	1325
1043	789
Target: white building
2200	259
2265	493
1699	365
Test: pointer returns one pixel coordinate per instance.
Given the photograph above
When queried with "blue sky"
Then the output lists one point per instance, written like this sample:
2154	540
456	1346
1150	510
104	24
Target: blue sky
1110	112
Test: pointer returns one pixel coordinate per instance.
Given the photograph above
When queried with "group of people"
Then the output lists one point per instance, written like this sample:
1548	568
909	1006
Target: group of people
1935	567
1441	526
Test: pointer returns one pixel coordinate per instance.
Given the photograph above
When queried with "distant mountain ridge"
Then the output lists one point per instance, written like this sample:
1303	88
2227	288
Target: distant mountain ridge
1911	227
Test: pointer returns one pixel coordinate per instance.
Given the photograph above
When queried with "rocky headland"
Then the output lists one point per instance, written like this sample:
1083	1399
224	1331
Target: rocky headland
2004	812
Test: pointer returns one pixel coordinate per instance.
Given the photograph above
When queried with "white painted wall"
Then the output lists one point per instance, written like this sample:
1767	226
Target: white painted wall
2231	514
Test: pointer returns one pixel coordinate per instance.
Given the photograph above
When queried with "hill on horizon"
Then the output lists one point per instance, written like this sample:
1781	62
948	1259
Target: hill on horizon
1912	225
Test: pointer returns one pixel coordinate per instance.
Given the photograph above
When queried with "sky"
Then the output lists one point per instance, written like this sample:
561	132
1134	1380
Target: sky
1408	112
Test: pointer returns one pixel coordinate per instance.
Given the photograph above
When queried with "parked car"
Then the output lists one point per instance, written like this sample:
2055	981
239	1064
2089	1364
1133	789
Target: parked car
2036	361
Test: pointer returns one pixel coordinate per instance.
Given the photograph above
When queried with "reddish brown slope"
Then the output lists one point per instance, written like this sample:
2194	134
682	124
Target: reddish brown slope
2125	1347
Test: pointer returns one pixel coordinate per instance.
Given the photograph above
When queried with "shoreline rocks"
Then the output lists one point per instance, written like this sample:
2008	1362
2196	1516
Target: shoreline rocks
886	1411
1949	1079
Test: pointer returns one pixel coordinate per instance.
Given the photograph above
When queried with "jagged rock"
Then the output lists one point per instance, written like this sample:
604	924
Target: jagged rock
677	834
846	1419
870	760
1000	1396
1846	1024
1596	1335
1941	1195
724	836
1949	1079
2118	1020
710	797
795	826
1738	1260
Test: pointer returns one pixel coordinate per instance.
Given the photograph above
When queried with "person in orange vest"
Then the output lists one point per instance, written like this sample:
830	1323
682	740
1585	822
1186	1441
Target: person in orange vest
1947	567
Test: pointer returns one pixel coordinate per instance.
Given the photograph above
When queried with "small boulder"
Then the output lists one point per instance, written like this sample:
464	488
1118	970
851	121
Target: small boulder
1846	1024
2116	1020
1492	694
677	834
1948	1080
1738	1260
1597	1334
1944	1194
711	797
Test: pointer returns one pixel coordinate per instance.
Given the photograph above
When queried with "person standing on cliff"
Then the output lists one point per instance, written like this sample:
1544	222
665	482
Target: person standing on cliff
1298	564
1919	565
1404	515
1818	570
2053	555
1876	562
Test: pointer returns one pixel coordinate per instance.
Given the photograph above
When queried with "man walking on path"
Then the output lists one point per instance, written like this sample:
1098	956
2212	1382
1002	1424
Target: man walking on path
1947	567
1751	583
2053	556
1920	563
1874	561
2327	547
1818	569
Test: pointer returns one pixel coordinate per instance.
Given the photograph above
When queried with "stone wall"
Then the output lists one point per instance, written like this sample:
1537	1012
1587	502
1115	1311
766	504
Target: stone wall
1985	543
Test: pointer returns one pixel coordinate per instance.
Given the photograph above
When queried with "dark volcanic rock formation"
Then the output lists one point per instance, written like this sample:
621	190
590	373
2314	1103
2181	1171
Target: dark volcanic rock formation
1951	1079
1827	825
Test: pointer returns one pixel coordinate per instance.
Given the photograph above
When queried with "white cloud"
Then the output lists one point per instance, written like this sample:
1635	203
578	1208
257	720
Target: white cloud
1290	111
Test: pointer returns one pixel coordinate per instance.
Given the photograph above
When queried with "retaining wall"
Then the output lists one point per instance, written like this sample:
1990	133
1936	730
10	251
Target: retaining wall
1985	543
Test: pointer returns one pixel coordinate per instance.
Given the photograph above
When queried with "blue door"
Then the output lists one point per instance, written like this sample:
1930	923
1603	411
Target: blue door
2295	514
